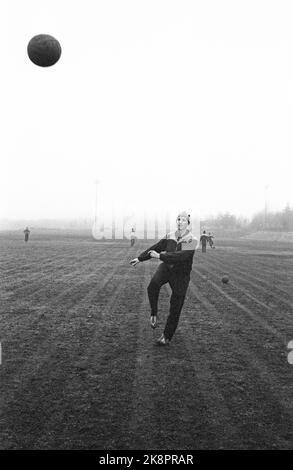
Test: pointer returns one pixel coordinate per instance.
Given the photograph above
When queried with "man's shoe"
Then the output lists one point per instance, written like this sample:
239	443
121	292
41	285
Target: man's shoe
162	341
153	321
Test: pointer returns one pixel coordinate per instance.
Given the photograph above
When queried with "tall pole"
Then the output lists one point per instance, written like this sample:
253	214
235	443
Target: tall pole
96	203
266	205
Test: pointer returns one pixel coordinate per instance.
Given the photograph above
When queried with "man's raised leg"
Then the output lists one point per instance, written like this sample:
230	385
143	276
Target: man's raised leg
160	277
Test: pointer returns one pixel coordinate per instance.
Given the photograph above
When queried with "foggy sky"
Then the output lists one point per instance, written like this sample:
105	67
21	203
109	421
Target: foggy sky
180	105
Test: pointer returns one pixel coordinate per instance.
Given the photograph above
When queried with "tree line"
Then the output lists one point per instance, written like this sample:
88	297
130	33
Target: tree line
264	220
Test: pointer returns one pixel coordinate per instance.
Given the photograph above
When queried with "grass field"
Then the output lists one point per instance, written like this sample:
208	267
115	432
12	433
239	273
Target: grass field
80	369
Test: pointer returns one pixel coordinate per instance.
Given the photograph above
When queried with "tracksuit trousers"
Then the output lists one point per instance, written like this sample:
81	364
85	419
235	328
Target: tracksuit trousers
179	284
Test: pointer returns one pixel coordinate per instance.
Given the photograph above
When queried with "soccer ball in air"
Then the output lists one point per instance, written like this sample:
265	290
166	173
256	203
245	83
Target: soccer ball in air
44	50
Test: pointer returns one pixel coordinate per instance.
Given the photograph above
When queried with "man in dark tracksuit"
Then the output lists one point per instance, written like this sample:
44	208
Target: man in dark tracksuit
176	251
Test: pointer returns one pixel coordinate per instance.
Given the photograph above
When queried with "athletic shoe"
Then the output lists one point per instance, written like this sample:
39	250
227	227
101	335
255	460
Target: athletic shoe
162	341
153	321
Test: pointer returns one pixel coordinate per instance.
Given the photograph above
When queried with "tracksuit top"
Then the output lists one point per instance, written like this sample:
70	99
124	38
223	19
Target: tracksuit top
178	259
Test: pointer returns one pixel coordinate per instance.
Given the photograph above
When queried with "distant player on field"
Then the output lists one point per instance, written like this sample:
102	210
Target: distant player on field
176	252
211	241
132	237
203	240
26	234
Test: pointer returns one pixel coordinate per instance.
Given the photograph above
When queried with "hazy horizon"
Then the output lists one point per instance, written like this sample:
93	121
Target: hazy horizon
89	221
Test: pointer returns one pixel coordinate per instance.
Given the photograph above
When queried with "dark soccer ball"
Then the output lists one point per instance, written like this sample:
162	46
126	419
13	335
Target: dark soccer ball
44	50
225	279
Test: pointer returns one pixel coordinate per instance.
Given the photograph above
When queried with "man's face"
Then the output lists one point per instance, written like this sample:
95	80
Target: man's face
182	223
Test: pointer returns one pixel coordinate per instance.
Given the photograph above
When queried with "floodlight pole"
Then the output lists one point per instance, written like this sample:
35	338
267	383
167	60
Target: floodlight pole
266	204
96	203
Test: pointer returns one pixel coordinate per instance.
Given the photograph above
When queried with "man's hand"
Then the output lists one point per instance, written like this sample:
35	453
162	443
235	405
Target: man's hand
134	261
154	254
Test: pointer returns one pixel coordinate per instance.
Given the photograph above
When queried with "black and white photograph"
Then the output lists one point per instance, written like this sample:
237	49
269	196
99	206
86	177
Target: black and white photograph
146	228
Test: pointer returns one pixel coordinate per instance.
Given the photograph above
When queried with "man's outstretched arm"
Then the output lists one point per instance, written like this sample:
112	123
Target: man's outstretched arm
176	257
145	255
158	247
